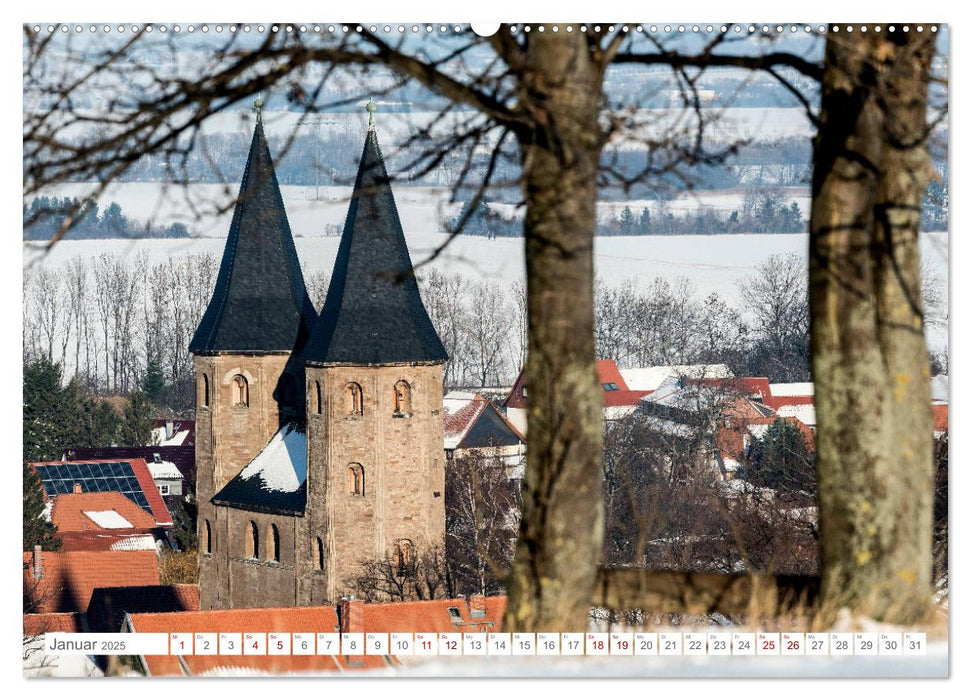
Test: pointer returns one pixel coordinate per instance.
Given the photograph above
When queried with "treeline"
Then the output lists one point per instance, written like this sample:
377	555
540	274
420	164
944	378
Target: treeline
763	211
44	216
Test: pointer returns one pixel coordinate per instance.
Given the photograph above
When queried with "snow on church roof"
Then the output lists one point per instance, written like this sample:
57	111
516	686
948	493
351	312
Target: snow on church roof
275	481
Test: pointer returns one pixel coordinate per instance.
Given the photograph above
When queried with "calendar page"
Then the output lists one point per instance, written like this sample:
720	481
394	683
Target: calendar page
485	350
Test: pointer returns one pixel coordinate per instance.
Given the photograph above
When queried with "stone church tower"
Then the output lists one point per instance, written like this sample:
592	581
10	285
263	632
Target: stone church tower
319	442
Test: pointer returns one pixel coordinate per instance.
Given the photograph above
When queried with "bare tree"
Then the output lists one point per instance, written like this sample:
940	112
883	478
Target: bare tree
317	283
47	309
443	297
776	297
76	282
481	520
485	328
418	575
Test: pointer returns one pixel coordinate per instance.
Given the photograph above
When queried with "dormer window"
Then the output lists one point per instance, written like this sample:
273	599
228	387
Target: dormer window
240	391
355	399
402	398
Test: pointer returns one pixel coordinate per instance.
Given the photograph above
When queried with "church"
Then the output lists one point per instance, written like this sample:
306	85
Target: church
319	437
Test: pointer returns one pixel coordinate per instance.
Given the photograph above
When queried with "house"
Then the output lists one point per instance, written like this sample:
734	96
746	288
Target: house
105	521
173	432
650	378
173	467
619	399
318	440
473	423
64	581
130	477
723	415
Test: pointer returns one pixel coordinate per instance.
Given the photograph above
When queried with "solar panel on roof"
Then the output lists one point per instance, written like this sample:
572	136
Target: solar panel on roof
93	477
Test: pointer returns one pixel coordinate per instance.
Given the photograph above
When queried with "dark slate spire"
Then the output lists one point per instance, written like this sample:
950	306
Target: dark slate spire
373	313
260	303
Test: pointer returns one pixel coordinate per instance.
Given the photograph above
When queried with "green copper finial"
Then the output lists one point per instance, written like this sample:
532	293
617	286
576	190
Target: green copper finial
371	108
258	103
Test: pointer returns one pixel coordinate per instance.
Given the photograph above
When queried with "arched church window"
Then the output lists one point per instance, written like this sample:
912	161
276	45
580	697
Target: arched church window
355	399
208	537
320	554
404	556
355	480
240	391
319	399
204	391
252	541
275	543
402	398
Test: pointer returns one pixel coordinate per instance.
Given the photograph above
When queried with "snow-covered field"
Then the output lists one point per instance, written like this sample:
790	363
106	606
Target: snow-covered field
719	263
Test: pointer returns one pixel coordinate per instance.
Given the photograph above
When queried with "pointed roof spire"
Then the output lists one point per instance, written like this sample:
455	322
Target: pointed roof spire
260	303
258	103
373	313
371	109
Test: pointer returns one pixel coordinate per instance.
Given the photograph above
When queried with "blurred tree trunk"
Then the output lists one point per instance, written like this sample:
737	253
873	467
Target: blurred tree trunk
869	355
553	576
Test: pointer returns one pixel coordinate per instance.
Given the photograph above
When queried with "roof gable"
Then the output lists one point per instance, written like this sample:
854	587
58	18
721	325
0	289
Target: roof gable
260	303
373	313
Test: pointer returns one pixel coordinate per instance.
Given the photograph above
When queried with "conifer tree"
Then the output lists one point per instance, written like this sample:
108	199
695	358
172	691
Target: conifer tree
36	529
136	425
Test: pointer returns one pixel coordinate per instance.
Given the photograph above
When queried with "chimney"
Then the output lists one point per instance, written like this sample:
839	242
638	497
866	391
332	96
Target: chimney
168	430
38	564
477	605
77	487
351	614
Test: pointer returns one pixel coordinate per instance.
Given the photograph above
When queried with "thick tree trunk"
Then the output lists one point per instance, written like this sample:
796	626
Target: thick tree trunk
869	356
552	578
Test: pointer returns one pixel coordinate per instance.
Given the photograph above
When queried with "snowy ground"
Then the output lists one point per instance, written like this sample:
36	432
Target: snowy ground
719	263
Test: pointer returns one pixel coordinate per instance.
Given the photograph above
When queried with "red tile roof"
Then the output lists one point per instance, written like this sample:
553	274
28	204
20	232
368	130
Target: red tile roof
156	505
623	398
310	619
70	577
69	508
111	540
38	624
430	616
749	387
607	372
